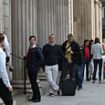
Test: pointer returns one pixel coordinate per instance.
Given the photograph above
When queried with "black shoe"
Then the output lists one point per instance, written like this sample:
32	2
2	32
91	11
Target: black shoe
88	79
36	100
93	81
94	78
51	94
58	92
79	88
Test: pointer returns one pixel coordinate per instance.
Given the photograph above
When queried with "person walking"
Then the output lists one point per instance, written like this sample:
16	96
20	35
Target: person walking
97	52
5	86
34	59
52	52
80	71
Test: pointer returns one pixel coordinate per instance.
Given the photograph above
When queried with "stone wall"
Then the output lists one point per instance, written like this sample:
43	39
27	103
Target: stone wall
43	17
7	18
53	17
1	22
24	23
40	18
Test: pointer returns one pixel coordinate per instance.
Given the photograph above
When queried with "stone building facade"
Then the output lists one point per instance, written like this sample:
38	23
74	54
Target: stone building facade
87	19
21	18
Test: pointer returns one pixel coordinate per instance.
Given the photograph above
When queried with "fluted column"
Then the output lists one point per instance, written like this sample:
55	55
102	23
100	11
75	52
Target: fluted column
98	19
24	24
5	17
70	3
41	18
53	17
79	20
87	19
93	18
1	15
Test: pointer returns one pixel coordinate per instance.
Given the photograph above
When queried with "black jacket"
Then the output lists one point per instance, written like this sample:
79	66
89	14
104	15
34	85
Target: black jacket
76	56
34	58
52	54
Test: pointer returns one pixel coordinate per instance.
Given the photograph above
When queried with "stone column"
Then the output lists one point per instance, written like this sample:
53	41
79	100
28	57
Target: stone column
7	18
98	19
1	15
41	18
87	19
93	18
70	16
24	24
82	19
53	17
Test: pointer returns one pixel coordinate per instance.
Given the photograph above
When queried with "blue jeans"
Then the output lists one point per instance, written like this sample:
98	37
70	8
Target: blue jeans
87	69
79	75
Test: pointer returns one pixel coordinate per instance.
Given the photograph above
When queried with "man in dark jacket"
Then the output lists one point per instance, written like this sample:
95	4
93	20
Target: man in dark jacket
71	50
52	53
33	61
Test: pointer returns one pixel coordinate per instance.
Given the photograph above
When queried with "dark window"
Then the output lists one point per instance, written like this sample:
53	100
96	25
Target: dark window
103	33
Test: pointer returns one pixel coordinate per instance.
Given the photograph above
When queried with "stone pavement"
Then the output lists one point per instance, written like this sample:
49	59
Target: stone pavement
92	94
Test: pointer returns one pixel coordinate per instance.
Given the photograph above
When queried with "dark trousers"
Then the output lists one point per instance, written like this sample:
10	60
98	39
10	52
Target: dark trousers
71	69
67	69
87	69
96	63
34	85
5	95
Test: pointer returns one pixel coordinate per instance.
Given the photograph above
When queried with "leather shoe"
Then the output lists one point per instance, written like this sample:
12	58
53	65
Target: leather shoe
36	100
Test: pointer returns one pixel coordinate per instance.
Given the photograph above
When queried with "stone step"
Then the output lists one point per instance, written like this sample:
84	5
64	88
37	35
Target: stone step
42	76
20	98
43	88
43	85
2	103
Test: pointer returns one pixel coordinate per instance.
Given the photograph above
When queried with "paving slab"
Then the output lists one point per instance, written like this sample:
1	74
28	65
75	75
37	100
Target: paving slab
91	94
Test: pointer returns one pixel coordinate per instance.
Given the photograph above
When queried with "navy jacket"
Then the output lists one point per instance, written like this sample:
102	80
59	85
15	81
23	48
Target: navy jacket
34	58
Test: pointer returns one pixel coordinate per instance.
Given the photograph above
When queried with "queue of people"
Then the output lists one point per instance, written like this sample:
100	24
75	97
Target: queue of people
71	59
93	52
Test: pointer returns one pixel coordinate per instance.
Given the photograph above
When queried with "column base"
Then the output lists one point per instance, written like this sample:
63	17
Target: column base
18	86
